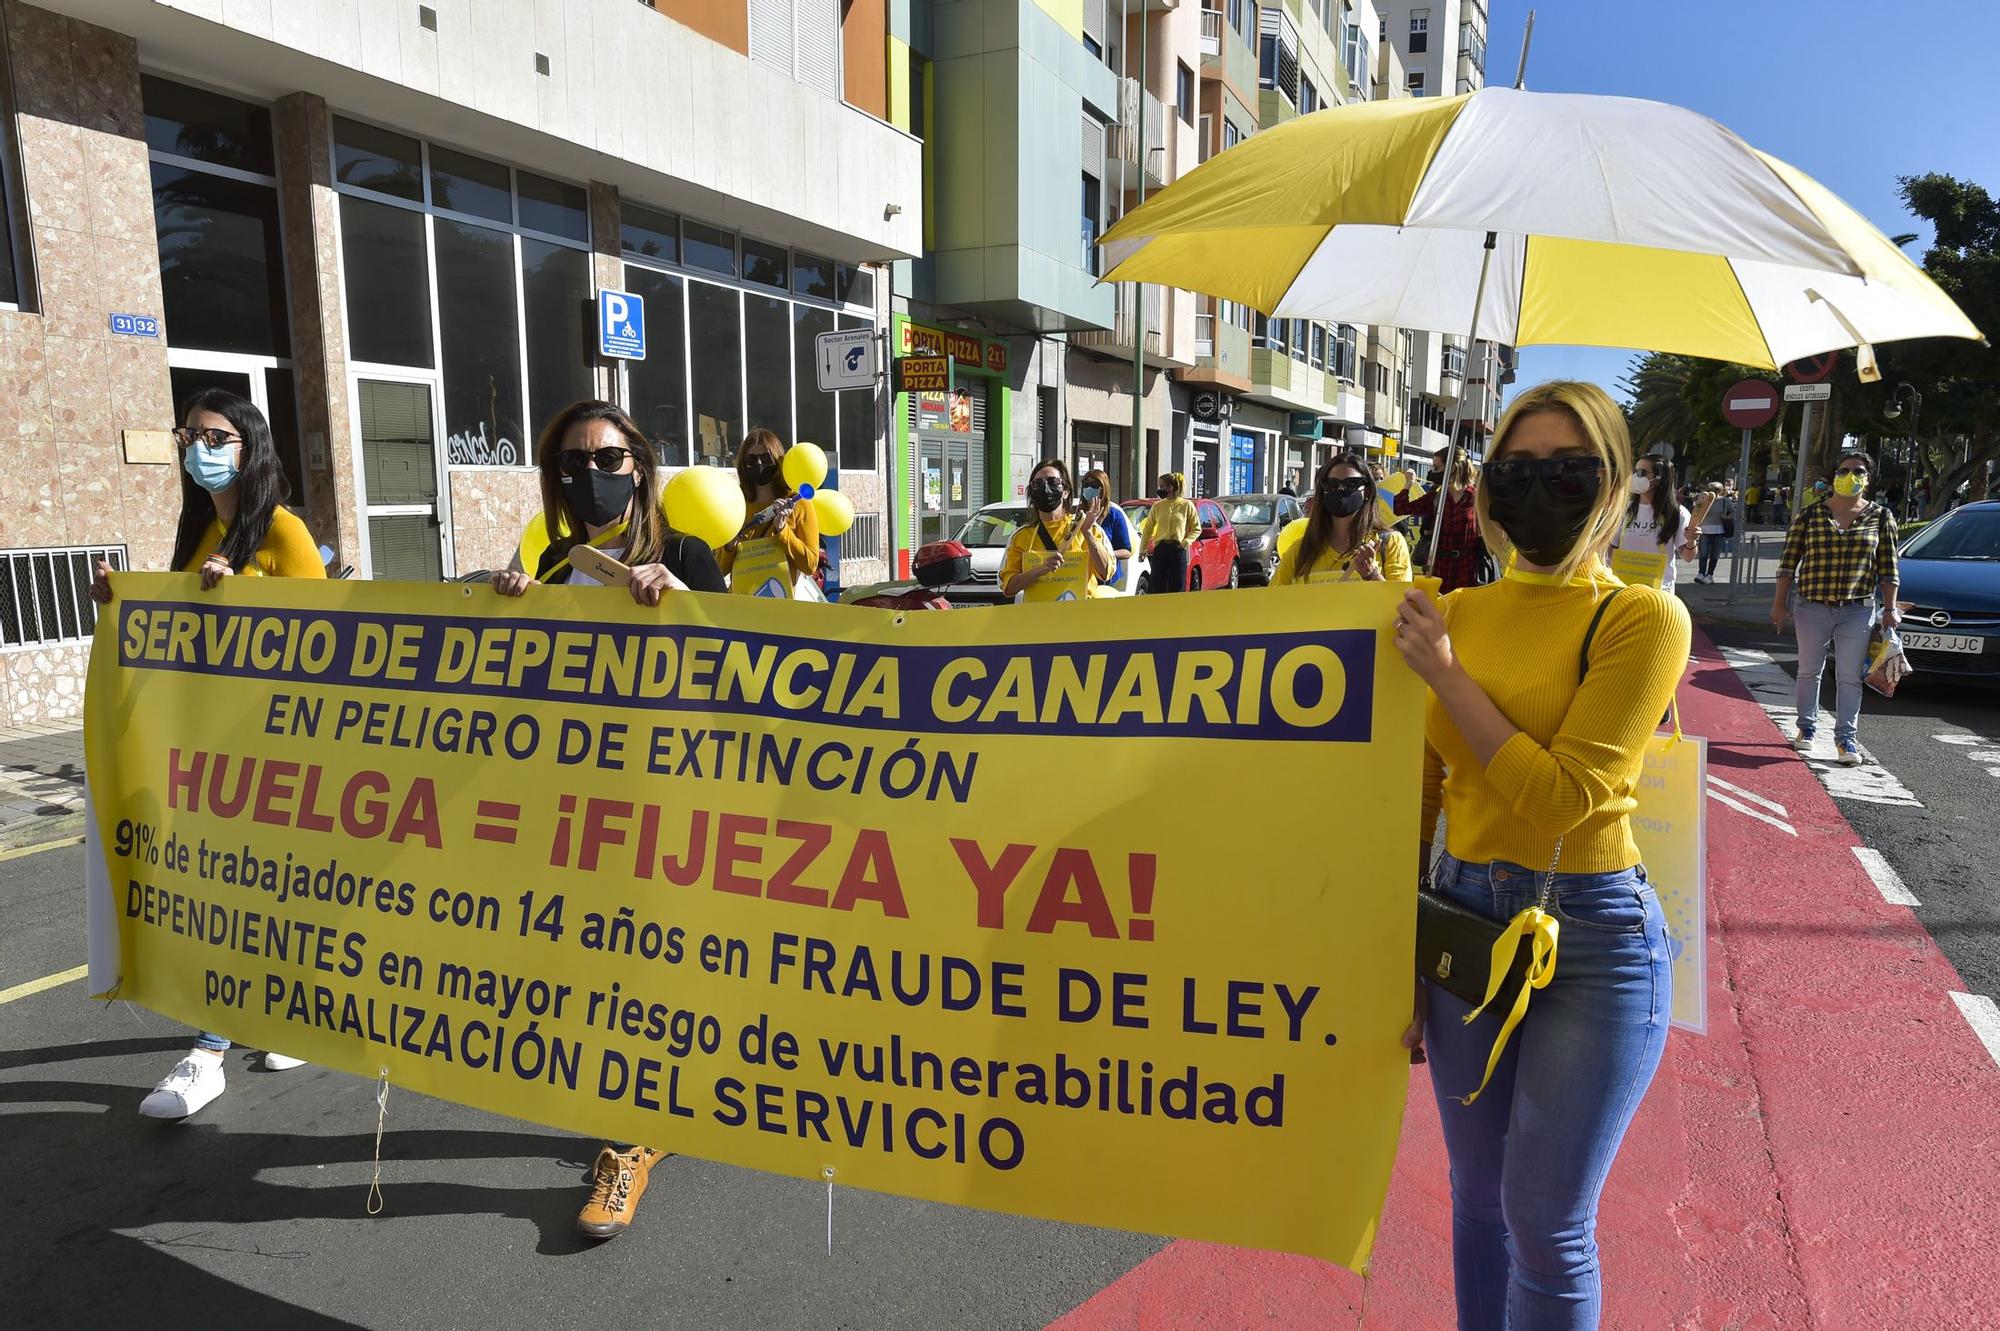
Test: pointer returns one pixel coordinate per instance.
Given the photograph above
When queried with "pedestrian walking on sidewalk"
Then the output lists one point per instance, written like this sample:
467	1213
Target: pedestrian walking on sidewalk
1655	522
1537	802
1718	524
1840	555
233	521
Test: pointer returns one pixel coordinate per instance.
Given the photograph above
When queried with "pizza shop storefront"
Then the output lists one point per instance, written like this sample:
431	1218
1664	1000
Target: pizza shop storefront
950	446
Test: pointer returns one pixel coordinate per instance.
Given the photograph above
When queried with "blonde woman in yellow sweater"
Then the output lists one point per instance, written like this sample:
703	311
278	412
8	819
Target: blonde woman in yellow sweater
1534	753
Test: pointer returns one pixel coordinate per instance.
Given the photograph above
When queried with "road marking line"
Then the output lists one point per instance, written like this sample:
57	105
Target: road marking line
1887	881
46	982
1777	693
1960	738
1983	1015
1752	796
19	851
1758	814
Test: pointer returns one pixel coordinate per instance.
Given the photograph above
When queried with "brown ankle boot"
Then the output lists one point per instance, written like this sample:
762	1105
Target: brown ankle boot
617	1184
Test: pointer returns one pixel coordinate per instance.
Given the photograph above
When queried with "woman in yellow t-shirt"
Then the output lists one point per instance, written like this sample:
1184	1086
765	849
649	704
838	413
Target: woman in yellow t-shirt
232	521
1547	686
1168	535
1056	557
779	543
1344	539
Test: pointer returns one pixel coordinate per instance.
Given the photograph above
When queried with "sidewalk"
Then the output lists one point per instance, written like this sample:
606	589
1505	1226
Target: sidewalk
41	785
1824	1158
1742	605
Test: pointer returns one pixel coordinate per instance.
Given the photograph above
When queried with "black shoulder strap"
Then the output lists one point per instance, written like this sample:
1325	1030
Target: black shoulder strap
1583	657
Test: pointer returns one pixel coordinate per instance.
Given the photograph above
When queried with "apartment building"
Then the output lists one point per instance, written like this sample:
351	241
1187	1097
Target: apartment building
386	222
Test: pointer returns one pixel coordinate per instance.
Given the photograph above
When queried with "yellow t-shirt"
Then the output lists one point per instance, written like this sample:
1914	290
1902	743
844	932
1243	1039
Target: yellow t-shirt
1571	770
289	550
1027	549
1332	566
1171	520
798	534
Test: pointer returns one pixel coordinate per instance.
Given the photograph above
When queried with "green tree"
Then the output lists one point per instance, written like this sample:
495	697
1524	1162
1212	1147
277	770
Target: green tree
1677	400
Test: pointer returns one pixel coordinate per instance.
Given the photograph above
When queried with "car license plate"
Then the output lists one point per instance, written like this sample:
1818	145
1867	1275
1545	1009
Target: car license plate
1944	642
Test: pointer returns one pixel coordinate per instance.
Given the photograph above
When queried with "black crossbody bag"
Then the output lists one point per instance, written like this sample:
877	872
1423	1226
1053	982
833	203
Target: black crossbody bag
1454	944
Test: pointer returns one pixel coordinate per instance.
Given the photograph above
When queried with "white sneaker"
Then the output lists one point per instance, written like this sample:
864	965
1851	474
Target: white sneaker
1850	756
195	1080
278	1062
1803	741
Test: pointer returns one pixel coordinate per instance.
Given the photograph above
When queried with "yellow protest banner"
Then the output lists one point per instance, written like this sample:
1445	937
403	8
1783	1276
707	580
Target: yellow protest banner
836	893
1670	827
1637	568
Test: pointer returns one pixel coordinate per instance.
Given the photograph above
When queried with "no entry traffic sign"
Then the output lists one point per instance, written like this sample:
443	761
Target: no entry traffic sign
1750	404
1812	369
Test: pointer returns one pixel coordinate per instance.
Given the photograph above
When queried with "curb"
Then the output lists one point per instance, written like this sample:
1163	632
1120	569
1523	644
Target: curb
41	832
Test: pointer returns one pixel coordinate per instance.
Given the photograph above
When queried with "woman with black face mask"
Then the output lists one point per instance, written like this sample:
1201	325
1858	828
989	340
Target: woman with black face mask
1546	686
1171	528
601	487
1344	539
779	543
1056	557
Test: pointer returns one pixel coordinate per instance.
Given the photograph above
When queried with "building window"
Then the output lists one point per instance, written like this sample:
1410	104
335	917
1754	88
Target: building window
648	234
388	283
1415	84
1204	326
1278	54
1344	357
1231	136
1184	91
1300	342
1420	31
656	389
1236	8
1308	96
1091	205
1354	54
1319	347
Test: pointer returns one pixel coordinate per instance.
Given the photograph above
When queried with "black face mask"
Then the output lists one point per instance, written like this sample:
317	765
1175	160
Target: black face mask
1545	527
1342	504
1164	492
1046	493
759	469
599	498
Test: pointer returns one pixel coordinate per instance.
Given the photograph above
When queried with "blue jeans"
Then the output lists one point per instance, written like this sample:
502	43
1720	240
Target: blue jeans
213	1043
1529	1157
1710	552
1845	629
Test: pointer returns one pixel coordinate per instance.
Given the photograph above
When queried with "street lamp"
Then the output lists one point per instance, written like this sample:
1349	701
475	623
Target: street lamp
1893	410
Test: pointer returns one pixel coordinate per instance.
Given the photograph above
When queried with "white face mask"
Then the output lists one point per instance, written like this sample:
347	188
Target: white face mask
1642	484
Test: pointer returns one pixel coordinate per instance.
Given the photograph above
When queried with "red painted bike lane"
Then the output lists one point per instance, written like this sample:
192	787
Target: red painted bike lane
1827	1157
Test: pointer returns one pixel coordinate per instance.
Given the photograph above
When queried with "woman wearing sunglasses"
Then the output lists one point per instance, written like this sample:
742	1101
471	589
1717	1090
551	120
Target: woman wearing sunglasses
1842	556
779	543
232	522
1655	522
1534	756
601	486
1344	539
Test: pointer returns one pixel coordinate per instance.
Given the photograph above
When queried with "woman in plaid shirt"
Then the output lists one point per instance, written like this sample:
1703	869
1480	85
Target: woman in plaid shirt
1459	547
1842	555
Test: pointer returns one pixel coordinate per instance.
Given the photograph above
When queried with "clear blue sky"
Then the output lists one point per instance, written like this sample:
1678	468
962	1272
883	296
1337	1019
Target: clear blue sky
1854	94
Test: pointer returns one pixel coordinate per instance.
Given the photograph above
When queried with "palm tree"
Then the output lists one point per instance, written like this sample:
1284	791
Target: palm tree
1657	383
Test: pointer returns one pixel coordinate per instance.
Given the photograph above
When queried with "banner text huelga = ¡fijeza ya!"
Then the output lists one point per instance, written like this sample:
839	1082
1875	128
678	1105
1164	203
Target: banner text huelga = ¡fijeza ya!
960	907
1281	685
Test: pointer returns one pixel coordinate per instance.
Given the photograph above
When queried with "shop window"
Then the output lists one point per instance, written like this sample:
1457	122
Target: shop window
817	411
652	235
480	327
221	268
553	207
858	438
555	289
853	286
812	277
377	159
708	247
764	264
208	127
767	349
462	183
715	365
657	385
388	283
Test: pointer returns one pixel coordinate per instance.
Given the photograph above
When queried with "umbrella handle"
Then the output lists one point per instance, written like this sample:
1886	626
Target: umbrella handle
1458	407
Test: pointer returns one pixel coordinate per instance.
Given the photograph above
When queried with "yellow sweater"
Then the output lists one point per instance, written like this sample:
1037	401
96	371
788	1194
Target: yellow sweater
1571	770
288	550
1393	554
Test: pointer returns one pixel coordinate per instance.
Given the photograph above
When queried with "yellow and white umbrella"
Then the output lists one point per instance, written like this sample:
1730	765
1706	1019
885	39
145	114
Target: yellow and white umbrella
1559	218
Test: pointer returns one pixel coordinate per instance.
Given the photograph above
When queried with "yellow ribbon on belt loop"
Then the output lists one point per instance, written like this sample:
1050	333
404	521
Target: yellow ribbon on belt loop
1540	929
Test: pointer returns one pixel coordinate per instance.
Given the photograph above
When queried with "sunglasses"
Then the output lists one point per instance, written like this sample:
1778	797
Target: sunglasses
576	461
207	438
1564	478
1347	485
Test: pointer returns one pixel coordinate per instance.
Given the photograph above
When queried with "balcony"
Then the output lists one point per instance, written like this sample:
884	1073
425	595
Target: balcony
1211	31
1117	340
1122	152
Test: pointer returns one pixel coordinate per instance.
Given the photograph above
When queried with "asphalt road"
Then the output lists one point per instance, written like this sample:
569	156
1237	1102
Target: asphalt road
1940	742
254	1211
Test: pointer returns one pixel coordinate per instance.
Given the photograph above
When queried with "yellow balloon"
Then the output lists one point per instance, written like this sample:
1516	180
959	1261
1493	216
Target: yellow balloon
534	540
805	464
834	510
1289	534
705	503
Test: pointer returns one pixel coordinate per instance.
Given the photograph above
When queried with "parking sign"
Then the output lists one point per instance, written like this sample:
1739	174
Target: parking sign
621	325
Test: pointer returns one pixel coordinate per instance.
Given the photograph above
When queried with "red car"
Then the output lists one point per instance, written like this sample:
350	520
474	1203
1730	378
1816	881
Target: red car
1212	562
